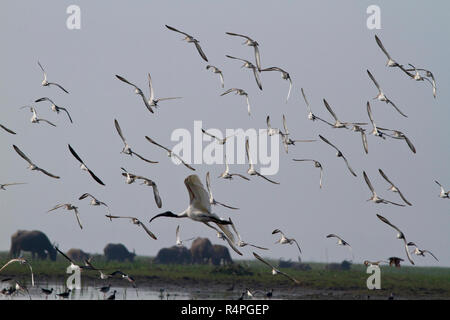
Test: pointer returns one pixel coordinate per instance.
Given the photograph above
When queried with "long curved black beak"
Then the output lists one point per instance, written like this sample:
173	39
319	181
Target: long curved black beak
165	214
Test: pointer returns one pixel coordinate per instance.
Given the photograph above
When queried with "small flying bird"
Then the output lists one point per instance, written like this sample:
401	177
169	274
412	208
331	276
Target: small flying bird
396	134
219	141
131	178
69	207
241	243
375	197
218	71
317	164
87	266
285	240
339	154
199	209
153	102
125	276
419	252
251	170
390	62
138	91
275	270
241	93
127	149
170	153
375	130
45	83
284	75
135	221
395	261
211	197
251	43
84	167
287	141
6	129
341	241
271	131
374	263
151	183
382	97
94	201
443	194
32	166
400	235
312	116
227	175
339	124
190	39
247	64
393	188
34	117
55	107
2	186
428	74
21	261
179	242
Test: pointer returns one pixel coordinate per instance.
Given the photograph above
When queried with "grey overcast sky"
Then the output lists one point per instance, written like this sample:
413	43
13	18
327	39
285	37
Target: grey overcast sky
326	47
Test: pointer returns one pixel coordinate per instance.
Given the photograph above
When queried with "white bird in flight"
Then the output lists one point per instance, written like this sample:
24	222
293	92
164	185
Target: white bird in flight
284	75
275	271
251	170
35	118
375	197
54	107
247	64
443	194
135	221
69	207
241	93
179	242
211	197
170	153
218	71
190	39
317	164
199	209
251	43
32	166
84	167
339	154
227	175
21	261
45	83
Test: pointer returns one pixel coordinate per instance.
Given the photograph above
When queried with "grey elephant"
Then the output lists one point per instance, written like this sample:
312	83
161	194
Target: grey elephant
117	251
34	241
221	255
174	255
201	250
77	254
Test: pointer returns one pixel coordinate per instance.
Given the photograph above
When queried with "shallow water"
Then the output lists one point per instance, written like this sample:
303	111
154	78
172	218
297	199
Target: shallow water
93	293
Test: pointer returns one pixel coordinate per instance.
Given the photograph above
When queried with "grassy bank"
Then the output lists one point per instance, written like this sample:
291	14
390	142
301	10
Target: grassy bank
417	282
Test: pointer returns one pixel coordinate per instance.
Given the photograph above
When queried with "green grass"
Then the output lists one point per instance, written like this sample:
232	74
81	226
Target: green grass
420	282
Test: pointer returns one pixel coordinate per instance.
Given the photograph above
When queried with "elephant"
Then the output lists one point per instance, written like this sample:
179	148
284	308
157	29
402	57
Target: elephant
118	252
221	255
34	241
201	250
77	254
175	254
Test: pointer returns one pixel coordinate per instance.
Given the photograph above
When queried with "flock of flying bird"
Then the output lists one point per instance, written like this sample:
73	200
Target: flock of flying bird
201	200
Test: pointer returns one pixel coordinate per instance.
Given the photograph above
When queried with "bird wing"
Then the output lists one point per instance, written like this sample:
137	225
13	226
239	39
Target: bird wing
75	154
231	57
147	230
257	57
209	134
85	195
156	195
258	80
396	108
330	110
119	131
155	143
264	177
410	145
380	44
366	178
285	125
263	261
369	112
47	173
226	206
306	101
374	81
385	177
64	255
388	223
348	166
58	85
22	155
427	251
176	30
95	177
43	71
200	51
150	87
229	90
442	188
289	91
78	218
142	158
183	162
6	129
273	69
126	81
364	141
328	142
239	35
67	112
208	185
